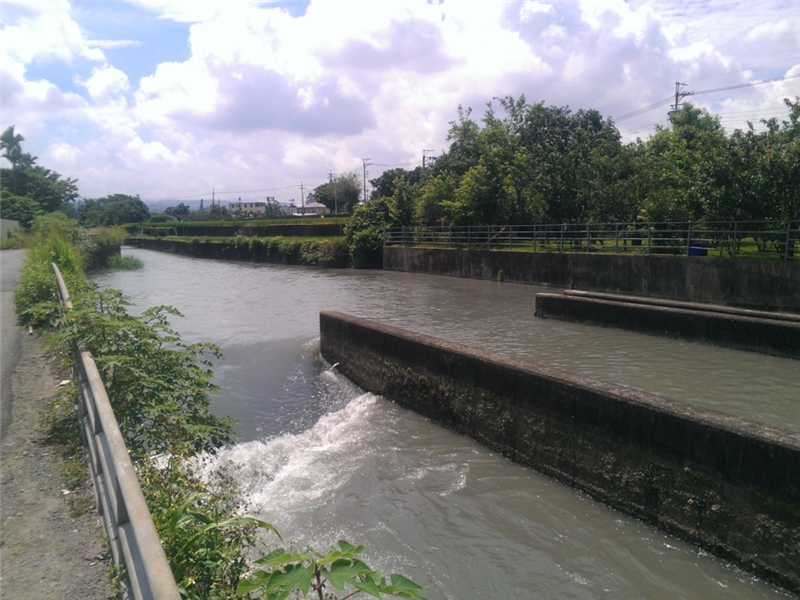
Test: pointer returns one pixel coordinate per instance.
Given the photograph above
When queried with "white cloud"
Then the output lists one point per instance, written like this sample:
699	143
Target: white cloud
46	32
269	99
105	81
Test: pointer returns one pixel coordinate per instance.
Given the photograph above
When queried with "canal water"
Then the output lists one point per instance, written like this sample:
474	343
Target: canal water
322	460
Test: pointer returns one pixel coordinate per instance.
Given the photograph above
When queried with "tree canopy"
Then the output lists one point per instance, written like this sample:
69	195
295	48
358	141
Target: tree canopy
533	163
115	209
28	189
341	194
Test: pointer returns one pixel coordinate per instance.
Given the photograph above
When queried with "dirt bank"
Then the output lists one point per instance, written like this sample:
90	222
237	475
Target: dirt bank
52	544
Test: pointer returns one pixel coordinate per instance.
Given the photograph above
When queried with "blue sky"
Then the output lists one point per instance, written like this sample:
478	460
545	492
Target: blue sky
171	99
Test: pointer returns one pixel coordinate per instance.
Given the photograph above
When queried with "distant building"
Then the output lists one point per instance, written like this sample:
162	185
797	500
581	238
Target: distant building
311	208
253	209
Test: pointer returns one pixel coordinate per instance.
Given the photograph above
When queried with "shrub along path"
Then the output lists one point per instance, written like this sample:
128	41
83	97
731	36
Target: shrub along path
52	544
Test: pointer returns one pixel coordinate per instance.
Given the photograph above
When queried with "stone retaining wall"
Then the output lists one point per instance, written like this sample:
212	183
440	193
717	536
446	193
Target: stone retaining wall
729	485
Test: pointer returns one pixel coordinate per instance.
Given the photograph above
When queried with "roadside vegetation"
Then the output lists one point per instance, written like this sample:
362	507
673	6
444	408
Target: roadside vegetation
160	389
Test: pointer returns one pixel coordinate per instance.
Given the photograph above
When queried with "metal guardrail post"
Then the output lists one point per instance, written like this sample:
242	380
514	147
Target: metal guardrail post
788	239
689	238
127	519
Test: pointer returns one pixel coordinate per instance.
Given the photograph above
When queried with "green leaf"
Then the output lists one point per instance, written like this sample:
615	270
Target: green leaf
280	557
257	580
295	576
344	571
368	586
403	588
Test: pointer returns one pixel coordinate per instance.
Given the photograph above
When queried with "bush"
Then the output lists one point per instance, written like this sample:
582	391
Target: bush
364	234
334	253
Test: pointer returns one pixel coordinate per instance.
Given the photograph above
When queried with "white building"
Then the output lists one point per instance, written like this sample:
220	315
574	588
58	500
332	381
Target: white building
248	208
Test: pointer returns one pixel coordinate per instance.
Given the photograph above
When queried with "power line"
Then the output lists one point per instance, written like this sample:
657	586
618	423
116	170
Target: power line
661	103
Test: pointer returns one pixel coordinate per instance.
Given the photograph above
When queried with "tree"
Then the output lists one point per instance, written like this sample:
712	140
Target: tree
115	209
686	164
181	211
364	233
19	208
10	143
342	193
29	180
384	186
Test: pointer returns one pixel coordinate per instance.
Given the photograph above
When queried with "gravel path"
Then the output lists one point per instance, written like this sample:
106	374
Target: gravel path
52	544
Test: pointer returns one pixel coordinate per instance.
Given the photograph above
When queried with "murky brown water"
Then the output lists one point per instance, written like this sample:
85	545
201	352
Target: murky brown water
321	460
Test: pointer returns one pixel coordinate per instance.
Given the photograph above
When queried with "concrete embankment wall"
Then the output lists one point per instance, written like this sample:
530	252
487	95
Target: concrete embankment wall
232	251
729	485
764	284
749	330
321	229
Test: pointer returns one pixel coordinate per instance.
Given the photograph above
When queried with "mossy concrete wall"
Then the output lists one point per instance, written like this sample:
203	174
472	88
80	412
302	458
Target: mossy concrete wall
779	337
766	284
729	485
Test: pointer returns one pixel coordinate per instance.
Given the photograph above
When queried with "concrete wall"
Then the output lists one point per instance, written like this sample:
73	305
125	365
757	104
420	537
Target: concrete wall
321	229
7	226
768	336
765	284
728	485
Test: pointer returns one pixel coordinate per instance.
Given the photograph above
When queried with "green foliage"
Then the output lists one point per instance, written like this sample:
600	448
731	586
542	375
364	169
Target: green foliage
160	218
364	233
125	263
547	164
19	208
282	572
197	520
341	194
25	179
55	240
334	253
160	387
115	209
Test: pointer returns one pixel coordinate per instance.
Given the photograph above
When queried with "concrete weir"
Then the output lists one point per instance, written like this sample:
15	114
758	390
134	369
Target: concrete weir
758	331
729	485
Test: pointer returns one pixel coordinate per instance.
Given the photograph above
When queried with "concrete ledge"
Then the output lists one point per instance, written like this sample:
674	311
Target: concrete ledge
729	485
733	328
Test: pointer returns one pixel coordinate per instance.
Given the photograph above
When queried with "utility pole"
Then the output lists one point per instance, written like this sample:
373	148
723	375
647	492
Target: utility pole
366	164
335	199
679	93
424	155
213	190
303	200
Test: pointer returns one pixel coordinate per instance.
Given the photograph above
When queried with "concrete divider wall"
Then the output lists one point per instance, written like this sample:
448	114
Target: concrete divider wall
729	485
768	336
766	284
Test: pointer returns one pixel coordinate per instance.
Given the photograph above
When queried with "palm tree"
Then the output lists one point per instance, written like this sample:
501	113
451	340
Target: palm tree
10	142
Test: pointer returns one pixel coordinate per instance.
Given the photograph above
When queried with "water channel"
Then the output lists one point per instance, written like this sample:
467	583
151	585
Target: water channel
322	460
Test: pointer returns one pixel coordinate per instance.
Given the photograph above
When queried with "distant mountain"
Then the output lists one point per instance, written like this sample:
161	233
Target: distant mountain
160	205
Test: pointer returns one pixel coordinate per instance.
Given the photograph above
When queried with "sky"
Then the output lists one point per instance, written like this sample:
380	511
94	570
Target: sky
177	100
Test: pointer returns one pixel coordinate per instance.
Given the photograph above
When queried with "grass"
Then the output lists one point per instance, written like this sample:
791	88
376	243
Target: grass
127	263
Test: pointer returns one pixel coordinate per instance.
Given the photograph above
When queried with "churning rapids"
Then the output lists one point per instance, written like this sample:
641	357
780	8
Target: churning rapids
322	460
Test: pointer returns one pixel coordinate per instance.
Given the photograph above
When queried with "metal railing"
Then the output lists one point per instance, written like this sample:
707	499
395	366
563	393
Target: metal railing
732	239
132	536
